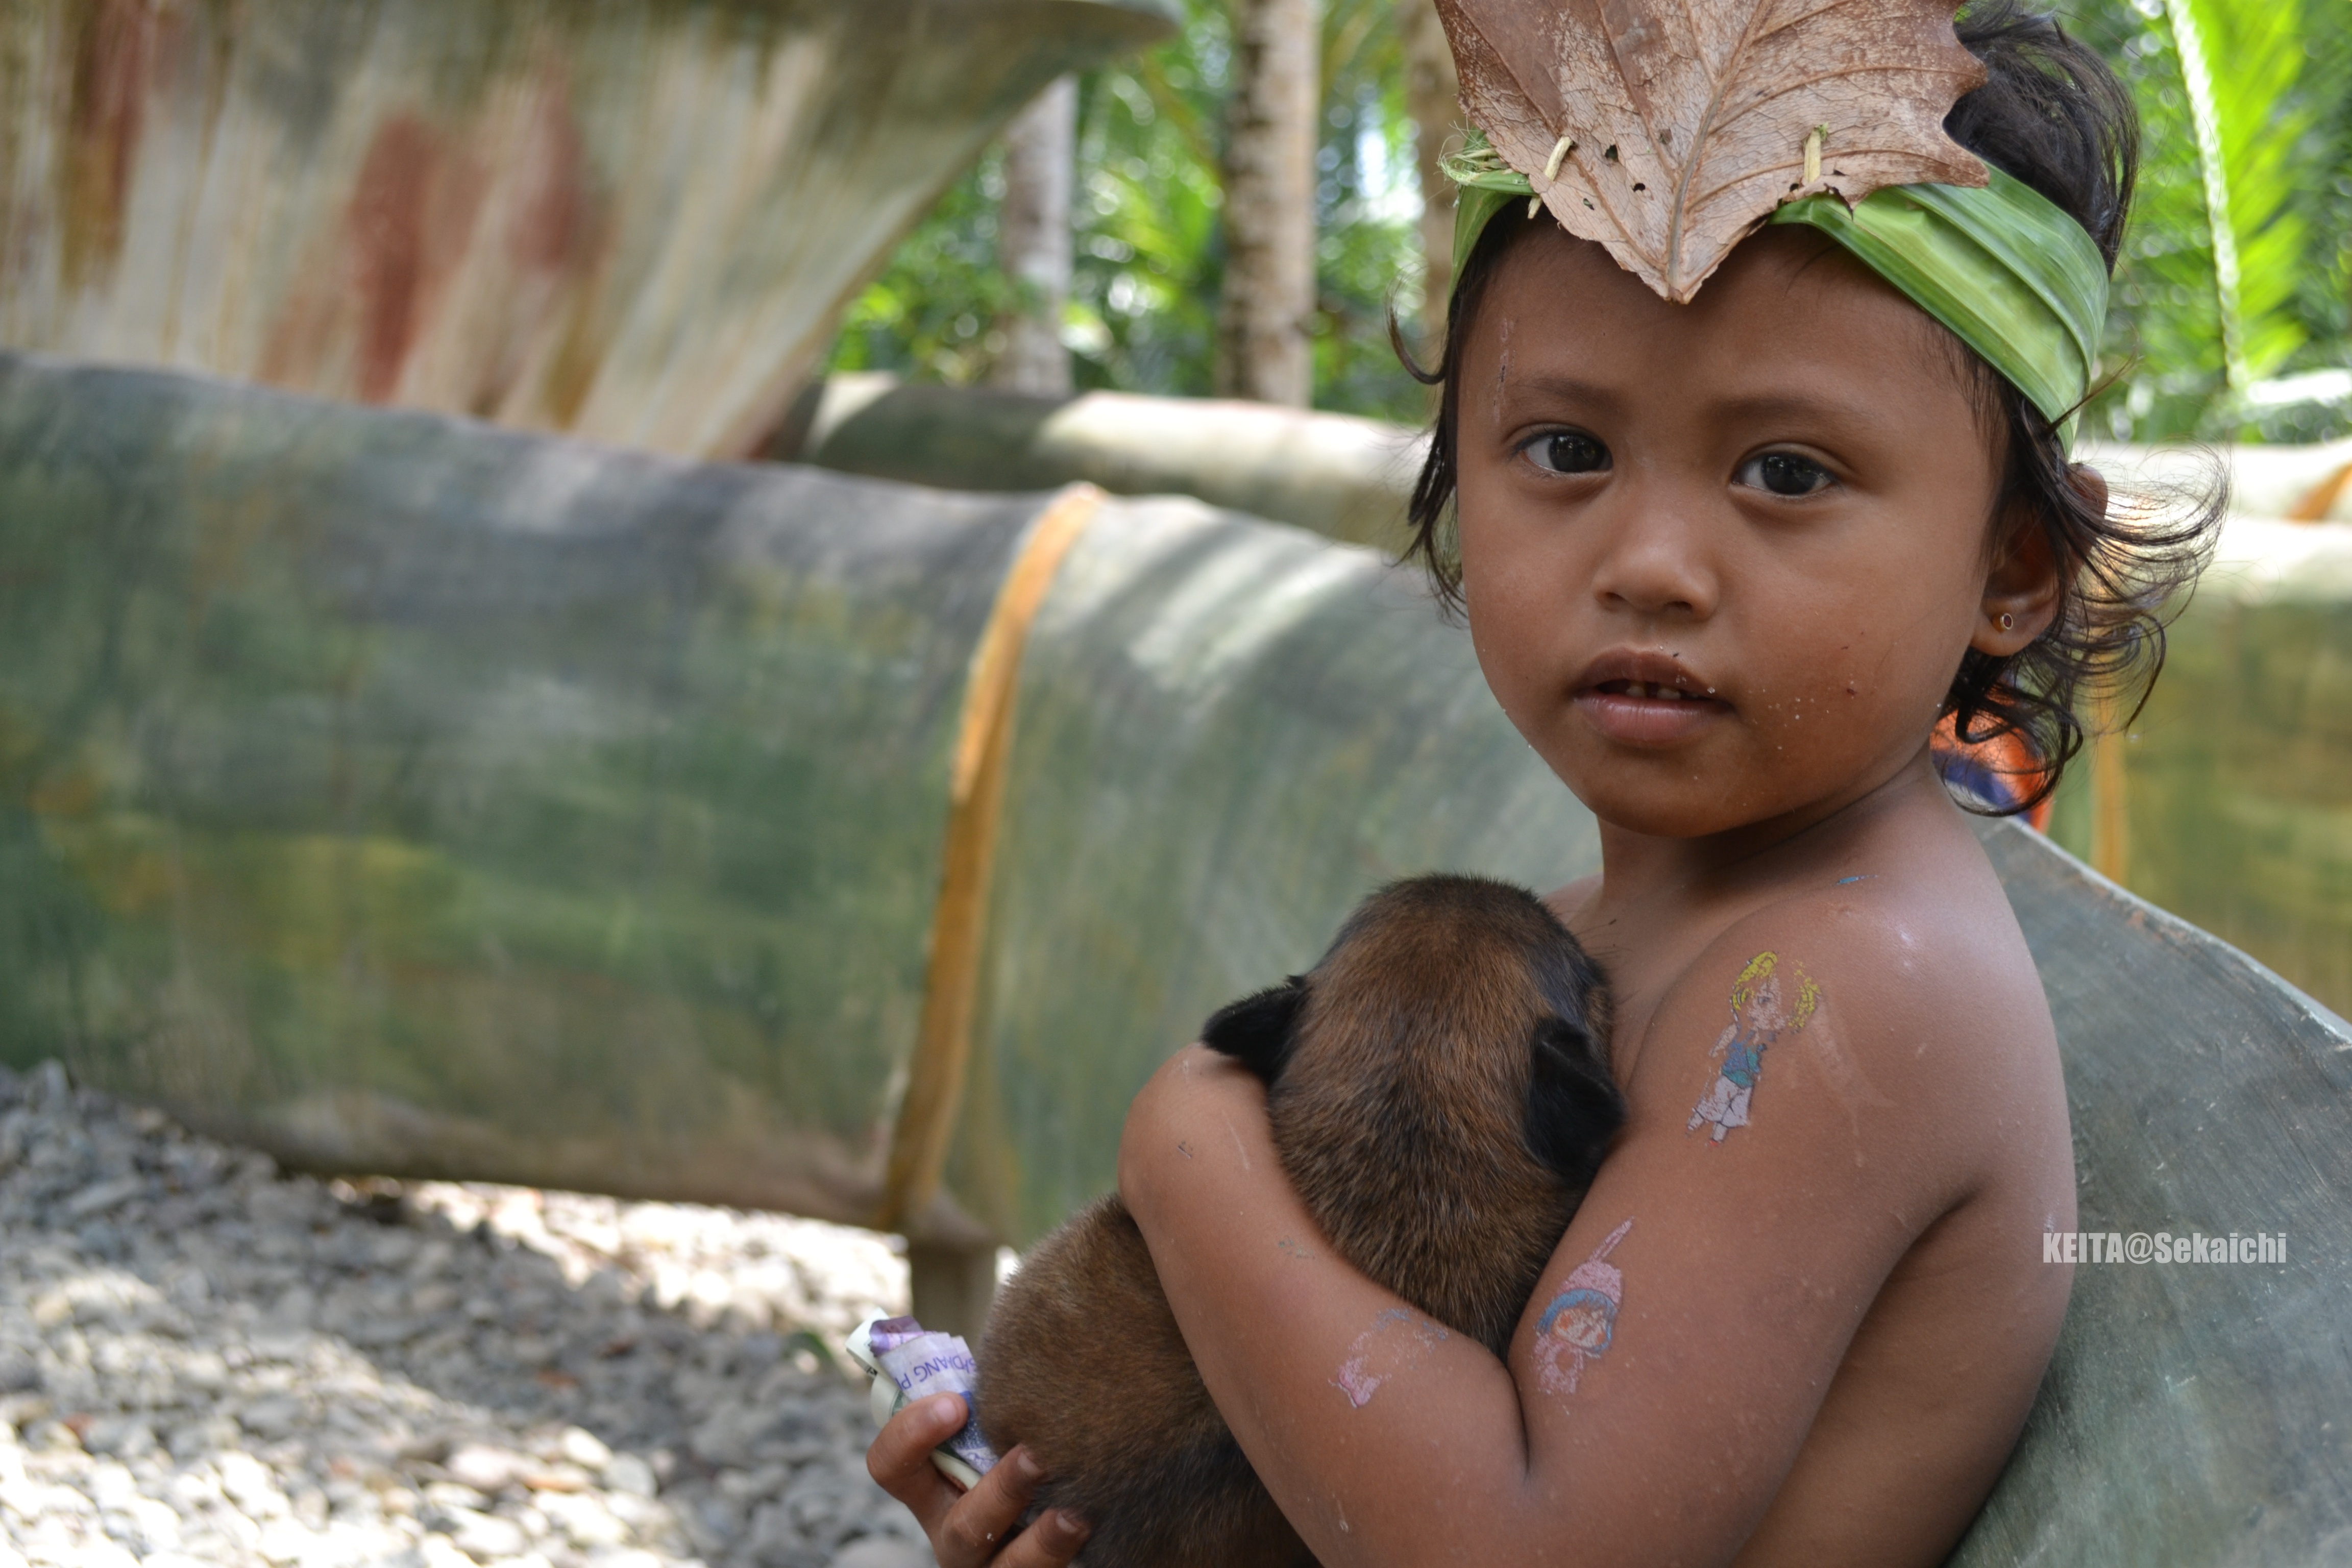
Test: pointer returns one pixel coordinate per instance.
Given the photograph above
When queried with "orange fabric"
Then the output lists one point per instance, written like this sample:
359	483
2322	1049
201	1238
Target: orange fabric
2002	770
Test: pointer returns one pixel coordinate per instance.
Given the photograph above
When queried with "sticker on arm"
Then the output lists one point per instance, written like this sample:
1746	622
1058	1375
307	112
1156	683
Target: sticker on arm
1579	1323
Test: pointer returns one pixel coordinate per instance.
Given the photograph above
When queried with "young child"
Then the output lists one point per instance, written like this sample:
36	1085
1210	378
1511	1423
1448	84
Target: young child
1727	566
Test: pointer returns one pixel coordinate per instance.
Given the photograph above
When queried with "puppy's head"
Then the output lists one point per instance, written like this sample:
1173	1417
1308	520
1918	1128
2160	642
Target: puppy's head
1458	993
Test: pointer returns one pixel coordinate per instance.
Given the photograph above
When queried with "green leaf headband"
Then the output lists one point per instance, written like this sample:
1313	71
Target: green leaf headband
2002	266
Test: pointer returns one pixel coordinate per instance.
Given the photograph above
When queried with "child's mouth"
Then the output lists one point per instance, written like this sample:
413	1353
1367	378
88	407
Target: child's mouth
1654	690
1647	712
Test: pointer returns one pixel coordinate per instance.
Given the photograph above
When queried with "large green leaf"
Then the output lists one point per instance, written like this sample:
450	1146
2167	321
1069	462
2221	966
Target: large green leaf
2221	283
2240	61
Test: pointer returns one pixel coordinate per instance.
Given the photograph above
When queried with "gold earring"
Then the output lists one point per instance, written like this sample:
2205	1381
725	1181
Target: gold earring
2007	620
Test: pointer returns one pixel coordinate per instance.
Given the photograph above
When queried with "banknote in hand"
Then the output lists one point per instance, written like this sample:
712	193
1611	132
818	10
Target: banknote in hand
909	1363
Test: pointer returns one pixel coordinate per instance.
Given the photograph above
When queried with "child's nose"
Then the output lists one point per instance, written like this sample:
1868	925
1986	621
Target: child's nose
1655	562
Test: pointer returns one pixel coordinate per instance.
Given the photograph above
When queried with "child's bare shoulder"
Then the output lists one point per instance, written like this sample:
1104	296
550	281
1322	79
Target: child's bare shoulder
1869	1011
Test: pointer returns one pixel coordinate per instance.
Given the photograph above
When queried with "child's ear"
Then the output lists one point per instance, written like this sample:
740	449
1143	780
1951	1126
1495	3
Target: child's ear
2024	584
1257	1031
1573	1105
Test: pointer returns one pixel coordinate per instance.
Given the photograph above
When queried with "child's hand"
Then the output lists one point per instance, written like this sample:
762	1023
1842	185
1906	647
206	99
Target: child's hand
967	1529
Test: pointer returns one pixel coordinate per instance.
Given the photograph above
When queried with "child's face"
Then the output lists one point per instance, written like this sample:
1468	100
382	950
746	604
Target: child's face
1776	500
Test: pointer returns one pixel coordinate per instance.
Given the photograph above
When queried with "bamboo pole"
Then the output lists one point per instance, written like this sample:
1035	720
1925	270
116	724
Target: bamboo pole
943	1055
2110	797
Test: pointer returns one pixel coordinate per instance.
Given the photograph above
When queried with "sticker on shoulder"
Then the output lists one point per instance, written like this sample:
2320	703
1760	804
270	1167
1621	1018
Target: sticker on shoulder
1770	999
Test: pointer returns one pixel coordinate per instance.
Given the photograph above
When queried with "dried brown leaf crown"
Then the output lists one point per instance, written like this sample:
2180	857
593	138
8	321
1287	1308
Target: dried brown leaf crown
1667	130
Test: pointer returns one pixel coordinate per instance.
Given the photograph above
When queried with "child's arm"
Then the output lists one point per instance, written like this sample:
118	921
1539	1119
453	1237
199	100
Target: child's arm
1694	1315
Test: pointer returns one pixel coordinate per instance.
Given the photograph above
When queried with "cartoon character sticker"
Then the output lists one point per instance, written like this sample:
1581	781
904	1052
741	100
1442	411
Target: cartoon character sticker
1760	1015
1358	1379
1578	1323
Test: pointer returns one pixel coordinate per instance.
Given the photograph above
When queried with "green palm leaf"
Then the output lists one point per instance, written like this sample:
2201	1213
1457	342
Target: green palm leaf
2215	288
2241	61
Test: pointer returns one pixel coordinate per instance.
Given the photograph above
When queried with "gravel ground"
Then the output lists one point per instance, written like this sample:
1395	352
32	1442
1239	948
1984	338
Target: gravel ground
205	1360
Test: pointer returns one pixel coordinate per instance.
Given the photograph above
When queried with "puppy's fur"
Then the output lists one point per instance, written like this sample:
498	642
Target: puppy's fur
1440	1093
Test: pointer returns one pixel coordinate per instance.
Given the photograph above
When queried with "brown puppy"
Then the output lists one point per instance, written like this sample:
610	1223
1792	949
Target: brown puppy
1440	1091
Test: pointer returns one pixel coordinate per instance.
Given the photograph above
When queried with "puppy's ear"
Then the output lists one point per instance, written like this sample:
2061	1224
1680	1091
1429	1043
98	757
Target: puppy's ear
1573	1106
1257	1031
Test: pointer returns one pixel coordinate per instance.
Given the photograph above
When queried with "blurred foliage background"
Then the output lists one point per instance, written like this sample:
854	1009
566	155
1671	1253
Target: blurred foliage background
2233	307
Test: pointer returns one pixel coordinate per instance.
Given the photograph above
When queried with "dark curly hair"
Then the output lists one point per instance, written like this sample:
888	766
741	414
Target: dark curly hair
2053	115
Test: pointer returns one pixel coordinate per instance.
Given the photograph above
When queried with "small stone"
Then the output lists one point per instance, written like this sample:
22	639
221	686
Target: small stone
103	1554
194	1439
533	1350
203	1370
727	1439
310	1506
645	1516
486	1469
486	1538
297	1309
395	1247
247	1483
773	1532
711	1521
271	1419
882	1551
587	1524
557	1477
123	1437
97	1200
47	1090
151	1526
283	1541
630	1475
433	1298
53	1438
746	1486
582	1447
451	1498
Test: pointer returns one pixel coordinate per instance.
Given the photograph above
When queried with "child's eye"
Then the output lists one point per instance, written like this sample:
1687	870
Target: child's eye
1784	474
1567	452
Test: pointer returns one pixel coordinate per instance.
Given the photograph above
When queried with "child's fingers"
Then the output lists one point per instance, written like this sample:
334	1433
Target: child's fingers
978	1526
1051	1543
967	1530
900	1459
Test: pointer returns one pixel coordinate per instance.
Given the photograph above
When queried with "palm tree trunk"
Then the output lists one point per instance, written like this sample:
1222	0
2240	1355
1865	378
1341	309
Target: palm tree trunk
1432	95
1263	348
1033	240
